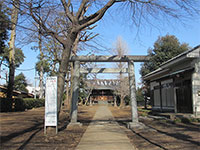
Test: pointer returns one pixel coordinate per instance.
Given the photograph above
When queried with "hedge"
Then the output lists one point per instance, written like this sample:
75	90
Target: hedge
19	104
5	105
33	103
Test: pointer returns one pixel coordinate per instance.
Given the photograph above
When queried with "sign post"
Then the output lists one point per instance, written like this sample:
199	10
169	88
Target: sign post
51	118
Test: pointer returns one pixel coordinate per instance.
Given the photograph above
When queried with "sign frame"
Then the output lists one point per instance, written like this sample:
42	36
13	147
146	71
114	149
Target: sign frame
51	109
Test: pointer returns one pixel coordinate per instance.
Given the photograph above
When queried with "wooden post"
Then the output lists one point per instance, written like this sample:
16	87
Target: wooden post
175	100
132	92
74	108
160	88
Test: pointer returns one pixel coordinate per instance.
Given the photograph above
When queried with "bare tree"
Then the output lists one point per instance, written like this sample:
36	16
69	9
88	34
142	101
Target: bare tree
79	18
91	85
121	49
122	89
82	37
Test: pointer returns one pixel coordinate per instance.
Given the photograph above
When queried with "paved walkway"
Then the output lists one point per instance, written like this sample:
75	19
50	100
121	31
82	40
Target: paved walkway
104	133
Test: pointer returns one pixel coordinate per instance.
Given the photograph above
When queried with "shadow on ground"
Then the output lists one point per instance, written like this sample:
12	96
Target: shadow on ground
160	134
25	130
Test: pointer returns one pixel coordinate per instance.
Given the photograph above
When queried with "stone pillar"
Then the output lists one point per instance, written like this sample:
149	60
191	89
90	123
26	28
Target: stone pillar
196	88
132	87
74	104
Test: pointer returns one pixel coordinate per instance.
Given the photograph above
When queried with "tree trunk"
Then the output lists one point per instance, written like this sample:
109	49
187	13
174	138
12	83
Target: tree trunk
74	50
41	92
71	87
11	80
122	101
14	19
87	98
115	101
145	101
64	67
67	92
90	102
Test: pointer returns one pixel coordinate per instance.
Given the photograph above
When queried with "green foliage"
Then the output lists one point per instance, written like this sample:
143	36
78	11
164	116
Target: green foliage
19	56
19	104
27	103
177	120
4	27
164	49
186	120
195	119
45	64
127	100
20	83
143	112
33	103
82	93
50	56
139	95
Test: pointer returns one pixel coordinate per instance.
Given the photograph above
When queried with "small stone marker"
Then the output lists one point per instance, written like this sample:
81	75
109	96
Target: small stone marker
51	118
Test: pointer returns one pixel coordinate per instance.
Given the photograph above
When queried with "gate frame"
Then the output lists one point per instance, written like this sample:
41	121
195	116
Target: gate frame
130	59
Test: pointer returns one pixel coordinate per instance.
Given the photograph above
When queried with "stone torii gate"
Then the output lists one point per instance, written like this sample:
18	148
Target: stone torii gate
130	59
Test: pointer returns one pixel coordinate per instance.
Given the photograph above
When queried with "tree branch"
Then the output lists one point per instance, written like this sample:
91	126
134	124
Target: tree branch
85	38
85	22
67	11
81	8
40	22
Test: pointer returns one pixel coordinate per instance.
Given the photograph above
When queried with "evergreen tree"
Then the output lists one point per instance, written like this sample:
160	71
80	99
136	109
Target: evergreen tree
19	57
4	27
164	49
46	66
20	83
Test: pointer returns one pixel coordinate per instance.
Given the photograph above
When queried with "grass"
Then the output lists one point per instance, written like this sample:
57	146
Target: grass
143	112
186	120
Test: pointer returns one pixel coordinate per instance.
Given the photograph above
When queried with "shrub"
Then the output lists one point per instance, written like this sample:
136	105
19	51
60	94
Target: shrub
19	104
185	120
195	119
34	103
177	120
5	104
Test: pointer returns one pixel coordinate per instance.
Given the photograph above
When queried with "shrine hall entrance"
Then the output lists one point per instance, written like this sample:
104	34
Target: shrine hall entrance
102	96
103	91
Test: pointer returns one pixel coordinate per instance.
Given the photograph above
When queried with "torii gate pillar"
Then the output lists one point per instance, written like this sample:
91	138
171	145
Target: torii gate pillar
74	104
131	72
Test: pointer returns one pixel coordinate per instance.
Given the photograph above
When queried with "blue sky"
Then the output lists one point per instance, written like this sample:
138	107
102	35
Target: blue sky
138	42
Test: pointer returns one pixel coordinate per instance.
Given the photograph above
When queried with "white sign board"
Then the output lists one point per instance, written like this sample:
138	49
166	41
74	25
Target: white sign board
51	102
